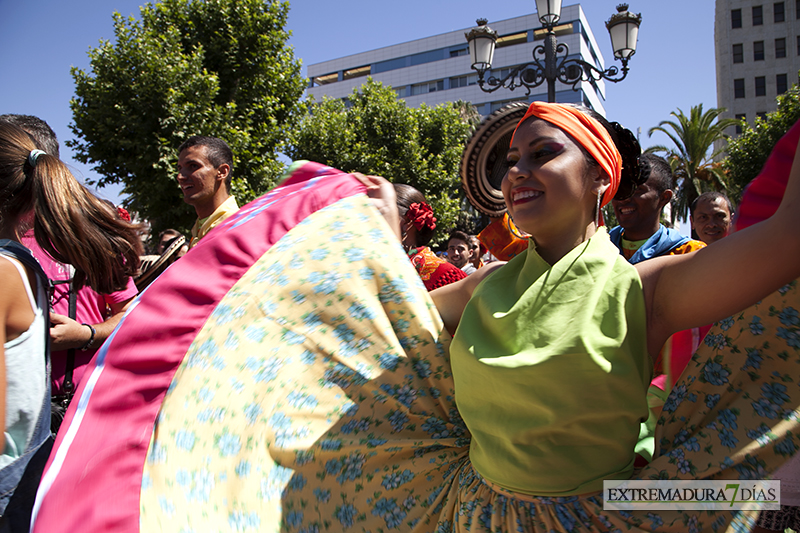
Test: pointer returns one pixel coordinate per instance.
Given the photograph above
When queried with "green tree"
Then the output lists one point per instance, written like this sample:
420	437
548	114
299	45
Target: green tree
188	67
748	152
692	157
375	133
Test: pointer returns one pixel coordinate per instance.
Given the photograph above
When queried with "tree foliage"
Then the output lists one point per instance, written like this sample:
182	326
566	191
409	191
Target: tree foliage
692	157
748	152
375	133
188	67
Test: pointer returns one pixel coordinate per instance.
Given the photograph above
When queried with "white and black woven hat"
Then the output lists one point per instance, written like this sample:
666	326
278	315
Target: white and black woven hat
483	164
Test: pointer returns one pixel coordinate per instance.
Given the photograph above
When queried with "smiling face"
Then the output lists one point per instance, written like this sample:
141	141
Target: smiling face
711	219
457	252
202	184
550	188
640	215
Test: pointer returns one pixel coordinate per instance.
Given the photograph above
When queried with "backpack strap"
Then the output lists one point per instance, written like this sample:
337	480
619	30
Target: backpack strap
24	256
68	385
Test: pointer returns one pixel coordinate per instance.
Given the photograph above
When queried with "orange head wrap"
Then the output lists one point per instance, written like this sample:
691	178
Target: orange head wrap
587	132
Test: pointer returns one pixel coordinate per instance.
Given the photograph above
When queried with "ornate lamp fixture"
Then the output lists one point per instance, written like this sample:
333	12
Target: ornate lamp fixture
550	61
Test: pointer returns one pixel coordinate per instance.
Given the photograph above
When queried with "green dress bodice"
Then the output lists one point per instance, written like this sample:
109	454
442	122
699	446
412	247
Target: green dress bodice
551	370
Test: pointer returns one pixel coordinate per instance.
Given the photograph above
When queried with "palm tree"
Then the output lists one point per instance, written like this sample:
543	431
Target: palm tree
692	158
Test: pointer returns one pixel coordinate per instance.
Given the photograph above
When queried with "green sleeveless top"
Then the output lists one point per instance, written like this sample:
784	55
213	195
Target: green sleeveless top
551	370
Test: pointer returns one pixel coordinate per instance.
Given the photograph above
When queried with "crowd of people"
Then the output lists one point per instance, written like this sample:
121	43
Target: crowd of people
287	372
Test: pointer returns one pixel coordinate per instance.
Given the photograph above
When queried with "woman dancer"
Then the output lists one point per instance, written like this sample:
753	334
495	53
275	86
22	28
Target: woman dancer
572	306
310	386
417	225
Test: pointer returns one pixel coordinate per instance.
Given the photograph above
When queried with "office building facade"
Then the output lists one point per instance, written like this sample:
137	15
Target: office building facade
757	46
437	69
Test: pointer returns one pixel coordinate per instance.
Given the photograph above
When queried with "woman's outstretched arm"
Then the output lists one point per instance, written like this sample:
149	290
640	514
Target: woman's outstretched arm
713	283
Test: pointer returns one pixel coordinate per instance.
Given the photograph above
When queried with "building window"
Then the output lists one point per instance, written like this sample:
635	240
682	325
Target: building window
456	53
515	38
334	77
425	88
797	9
761	115
736	17
761	86
739	126
780	47
758	16
781	82
778	12
738	88
463	81
758	51
738	53
357	72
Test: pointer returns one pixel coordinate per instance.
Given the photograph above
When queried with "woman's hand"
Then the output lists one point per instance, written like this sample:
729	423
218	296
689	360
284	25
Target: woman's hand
383	198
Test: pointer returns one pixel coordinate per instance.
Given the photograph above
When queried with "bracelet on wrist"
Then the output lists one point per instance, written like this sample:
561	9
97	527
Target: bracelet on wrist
91	339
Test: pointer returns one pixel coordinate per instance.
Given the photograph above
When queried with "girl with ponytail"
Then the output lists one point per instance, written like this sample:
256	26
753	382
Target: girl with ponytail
73	227
69	222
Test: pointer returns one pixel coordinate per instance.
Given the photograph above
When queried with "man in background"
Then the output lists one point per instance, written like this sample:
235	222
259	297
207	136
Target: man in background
205	165
711	215
640	234
458	252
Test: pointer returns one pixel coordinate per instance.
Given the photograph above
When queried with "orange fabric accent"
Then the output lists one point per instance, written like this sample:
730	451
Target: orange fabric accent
503	239
691	246
587	132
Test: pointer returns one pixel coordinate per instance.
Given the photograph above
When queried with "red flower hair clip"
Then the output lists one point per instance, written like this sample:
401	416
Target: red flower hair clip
421	215
123	214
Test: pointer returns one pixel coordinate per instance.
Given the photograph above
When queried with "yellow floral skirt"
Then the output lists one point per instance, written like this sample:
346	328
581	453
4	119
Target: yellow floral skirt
319	397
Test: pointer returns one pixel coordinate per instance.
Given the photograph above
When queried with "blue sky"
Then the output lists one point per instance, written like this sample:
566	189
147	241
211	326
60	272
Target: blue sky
673	67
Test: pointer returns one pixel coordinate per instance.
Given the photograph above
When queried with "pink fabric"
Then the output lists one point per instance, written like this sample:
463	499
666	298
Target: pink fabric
763	195
90	308
136	365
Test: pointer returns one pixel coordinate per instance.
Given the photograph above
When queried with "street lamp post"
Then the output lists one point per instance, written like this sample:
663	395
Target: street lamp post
623	27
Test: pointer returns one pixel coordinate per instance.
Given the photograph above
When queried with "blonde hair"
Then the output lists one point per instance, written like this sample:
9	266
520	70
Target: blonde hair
70	223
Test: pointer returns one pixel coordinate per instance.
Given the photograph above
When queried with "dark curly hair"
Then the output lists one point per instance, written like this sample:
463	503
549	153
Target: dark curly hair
628	147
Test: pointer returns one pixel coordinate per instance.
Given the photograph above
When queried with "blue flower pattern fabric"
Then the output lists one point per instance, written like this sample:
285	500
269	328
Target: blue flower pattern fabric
318	397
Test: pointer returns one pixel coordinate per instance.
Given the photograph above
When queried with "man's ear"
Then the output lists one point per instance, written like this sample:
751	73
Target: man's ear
665	197
223	171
